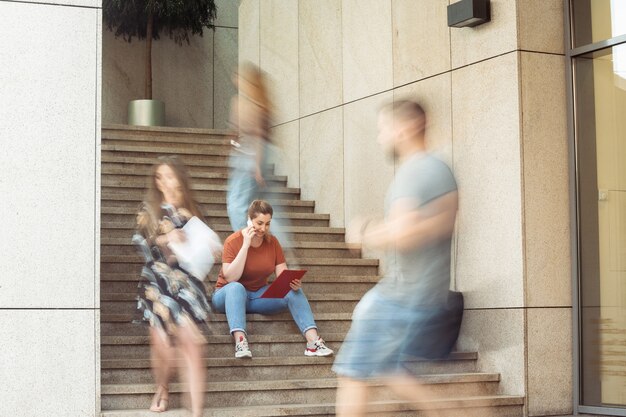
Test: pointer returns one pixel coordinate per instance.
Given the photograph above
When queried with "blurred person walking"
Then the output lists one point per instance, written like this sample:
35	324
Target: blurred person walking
250	114
416	234
173	301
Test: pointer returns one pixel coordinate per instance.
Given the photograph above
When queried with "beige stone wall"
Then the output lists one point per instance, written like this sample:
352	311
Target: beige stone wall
193	80
50	187
496	98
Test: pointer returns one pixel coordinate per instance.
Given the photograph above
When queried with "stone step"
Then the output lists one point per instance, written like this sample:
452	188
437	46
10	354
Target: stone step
128	215
141	183
195	173
303	262
213	191
113	163
327	284
161	148
213	214
478	406
121	214
114	175
138	371
123	246
208	190
299	233
157	134
291	391
125	303
282	323
137	156
219	345
133	200
214	147
297	366
139	186
323	266
209	164
262	345
296	233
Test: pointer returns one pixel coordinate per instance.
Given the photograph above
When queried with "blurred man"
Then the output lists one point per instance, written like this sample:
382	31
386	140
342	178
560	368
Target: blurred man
416	234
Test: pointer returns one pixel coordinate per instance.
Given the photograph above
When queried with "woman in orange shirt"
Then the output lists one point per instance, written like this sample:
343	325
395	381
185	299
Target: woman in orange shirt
250	256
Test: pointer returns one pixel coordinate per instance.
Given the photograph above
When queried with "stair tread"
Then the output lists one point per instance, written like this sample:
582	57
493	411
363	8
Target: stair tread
134	363
195	187
108	127
146	172
220	317
300	261
133	196
347	296
223	362
226	228
160	149
145	160
220	213
225	338
123	241
311	277
329	408
289	384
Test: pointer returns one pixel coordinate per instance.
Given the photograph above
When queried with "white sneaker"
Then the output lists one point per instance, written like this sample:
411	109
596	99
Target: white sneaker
318	348
241	348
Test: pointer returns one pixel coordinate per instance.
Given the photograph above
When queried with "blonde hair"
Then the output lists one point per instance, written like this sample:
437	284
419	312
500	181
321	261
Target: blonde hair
257	85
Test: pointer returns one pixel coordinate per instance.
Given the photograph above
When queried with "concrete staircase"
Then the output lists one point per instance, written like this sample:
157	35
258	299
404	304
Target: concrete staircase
279	380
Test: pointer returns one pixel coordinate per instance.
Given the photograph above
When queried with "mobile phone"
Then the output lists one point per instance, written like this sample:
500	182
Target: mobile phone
249	222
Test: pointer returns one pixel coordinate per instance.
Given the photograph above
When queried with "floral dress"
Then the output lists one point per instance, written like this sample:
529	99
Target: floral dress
168	295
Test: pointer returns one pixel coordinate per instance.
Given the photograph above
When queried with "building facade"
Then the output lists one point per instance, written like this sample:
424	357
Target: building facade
496	101
527	109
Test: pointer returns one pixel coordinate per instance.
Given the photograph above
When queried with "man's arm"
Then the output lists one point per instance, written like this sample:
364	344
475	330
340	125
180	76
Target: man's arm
408	227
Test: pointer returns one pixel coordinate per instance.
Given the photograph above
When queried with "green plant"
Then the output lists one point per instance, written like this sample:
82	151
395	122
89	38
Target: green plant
147	19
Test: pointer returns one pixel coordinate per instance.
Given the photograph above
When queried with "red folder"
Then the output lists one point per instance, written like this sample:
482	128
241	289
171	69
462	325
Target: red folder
280	287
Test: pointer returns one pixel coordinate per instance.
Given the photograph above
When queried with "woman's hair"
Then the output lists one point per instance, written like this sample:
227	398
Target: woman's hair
155	198
257	82
260	207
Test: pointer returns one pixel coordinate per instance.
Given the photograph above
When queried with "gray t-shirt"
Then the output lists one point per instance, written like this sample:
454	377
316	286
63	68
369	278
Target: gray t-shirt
419	277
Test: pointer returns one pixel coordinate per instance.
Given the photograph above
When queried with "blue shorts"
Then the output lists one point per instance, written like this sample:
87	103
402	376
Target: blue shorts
380	333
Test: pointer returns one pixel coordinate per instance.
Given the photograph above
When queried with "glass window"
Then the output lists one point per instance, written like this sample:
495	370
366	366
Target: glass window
600	99
597	20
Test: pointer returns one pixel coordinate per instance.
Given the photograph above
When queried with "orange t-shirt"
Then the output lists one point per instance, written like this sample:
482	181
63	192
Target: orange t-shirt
260	263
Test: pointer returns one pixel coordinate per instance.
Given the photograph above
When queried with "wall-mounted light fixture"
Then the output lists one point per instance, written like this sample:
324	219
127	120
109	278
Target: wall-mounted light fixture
468	13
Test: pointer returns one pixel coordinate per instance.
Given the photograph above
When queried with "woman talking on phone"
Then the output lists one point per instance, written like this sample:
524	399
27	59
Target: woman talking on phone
251	255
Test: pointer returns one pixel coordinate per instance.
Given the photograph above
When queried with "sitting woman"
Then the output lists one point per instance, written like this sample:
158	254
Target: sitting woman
250	256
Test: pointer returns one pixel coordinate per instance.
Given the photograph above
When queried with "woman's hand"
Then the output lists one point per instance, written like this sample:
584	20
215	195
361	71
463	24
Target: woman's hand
258	177
247	234
296	284
176	236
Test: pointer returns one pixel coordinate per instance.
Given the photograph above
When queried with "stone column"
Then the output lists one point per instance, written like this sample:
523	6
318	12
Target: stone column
49	186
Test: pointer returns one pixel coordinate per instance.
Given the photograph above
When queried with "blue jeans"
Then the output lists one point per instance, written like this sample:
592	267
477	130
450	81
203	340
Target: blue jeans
242	189
234	300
